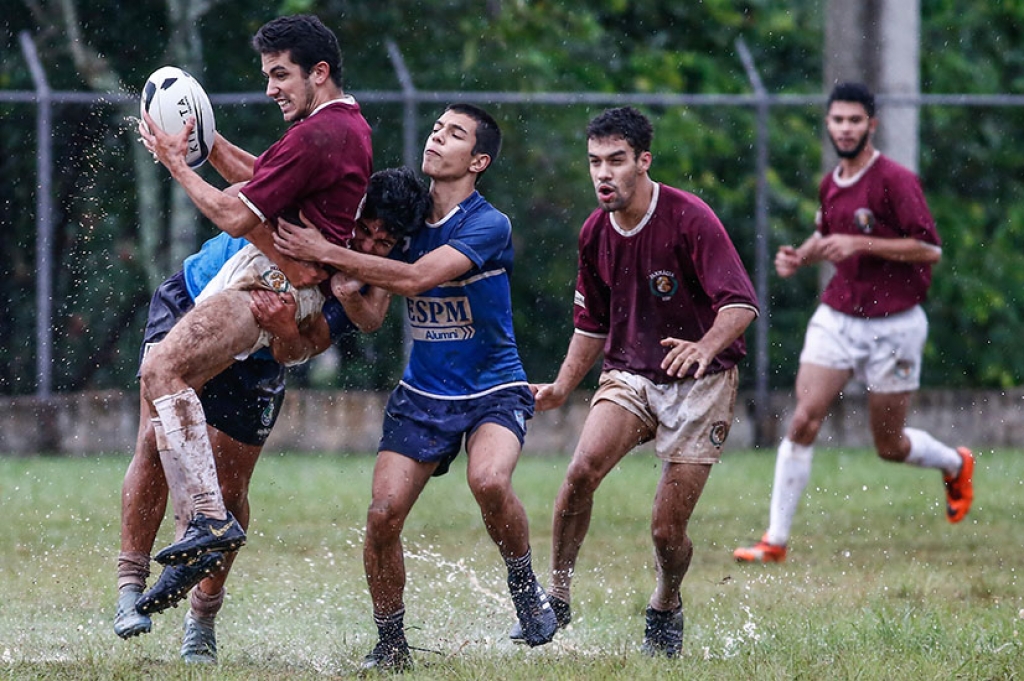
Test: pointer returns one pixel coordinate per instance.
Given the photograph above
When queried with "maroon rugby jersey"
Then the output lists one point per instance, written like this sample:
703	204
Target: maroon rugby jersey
883	200
320	166
667	277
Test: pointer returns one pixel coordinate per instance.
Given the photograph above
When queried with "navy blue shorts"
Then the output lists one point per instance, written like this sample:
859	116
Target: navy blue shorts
244	400
431	430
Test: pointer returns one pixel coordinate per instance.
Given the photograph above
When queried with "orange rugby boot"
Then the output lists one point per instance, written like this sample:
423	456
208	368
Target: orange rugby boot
761	552
960	488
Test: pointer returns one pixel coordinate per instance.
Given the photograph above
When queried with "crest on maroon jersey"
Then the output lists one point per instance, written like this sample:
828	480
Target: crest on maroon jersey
865	220
663	284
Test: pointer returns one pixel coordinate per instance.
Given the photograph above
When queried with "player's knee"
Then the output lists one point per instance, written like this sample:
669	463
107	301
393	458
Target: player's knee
154	378
147	380
383	522
583	477
490	488
805	426
671	539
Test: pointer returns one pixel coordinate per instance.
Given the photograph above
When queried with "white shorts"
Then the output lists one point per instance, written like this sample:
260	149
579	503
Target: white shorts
882	352
690	419
248	270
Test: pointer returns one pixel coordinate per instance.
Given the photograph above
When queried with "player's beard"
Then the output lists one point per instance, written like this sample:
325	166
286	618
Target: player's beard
852	153
616	202
307	108
622	194
308	99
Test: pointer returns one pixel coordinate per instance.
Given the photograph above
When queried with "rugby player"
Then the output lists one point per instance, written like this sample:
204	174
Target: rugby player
663	295
875	227
242	405
320	167
464	381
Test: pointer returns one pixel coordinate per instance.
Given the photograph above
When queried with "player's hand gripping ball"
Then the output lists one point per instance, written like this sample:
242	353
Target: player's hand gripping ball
171	96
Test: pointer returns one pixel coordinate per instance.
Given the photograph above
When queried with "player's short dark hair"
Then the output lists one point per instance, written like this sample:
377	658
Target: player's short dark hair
306	38
853	92
625	122
488	134
399	198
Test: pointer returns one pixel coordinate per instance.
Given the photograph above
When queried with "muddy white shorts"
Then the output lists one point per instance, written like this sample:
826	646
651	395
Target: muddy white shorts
690	418
248	270
882	352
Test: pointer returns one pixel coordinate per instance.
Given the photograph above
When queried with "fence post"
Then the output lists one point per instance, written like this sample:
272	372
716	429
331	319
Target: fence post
764	424
44	218
410	140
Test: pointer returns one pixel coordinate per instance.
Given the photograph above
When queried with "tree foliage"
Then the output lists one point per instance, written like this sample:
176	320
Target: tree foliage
109	258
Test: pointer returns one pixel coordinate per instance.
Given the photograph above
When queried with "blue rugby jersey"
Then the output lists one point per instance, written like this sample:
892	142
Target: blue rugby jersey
463	342
201	267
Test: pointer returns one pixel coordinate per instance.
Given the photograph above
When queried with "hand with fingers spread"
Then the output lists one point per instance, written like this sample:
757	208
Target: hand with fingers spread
167	149
302	242
274	312
682	355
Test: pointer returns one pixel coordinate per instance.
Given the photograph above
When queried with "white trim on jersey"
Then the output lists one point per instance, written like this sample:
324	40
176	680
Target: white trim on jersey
850	181
476	277
742	306
646	218
252	207
446	218
503	386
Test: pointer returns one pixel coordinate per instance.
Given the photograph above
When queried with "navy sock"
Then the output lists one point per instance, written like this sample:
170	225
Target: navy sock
520	571
390	628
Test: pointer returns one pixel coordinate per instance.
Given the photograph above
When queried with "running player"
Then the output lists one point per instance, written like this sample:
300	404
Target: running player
875	227
320	166
662	293
241	405
464	380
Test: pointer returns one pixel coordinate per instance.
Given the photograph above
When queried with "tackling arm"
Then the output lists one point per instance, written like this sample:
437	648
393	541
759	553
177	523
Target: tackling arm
290	344
407	279
364	309
298	272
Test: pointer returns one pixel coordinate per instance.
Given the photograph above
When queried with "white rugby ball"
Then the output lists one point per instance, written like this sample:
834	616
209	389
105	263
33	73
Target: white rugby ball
172	96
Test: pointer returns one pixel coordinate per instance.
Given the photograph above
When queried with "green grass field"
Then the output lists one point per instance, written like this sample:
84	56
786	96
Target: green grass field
878	584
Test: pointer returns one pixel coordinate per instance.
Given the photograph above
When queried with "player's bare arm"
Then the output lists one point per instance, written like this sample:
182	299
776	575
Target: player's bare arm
365	309
300	273
789	259
405	279
838	247
291	343
227	212
232	162
583	352
730	323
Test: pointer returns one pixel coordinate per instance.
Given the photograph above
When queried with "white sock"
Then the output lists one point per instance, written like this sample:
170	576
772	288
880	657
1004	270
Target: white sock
792	471
927	452
177	486
184	425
